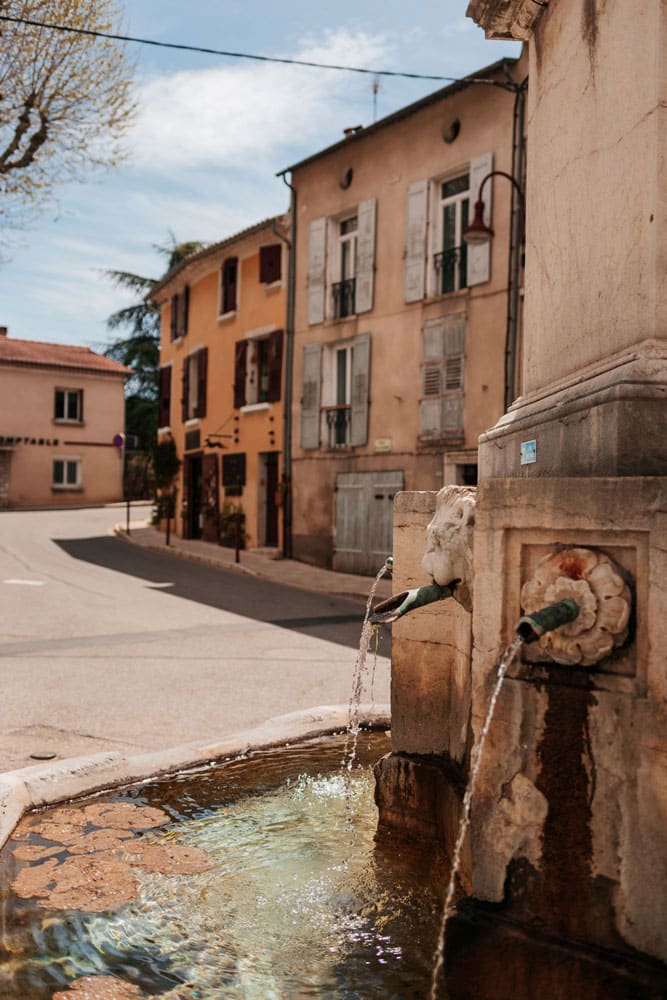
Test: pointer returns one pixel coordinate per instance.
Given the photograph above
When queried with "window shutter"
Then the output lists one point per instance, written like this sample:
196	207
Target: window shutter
361	357
452	413
174	317
365	256
185	385
240	362
430	417
185	310
81	405
229	283
275	366
202	367
479	257
165	397
269	263
310	397
316	270
415	242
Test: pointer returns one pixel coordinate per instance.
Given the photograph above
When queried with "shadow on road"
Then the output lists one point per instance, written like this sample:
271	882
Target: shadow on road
337	619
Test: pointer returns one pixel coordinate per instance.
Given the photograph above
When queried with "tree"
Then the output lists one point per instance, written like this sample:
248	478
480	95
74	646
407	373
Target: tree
65	101
140	350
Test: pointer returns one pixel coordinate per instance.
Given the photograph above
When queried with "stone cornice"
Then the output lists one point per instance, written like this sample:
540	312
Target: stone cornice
507	18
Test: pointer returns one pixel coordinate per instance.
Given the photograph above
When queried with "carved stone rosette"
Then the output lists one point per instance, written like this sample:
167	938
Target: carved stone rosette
598	586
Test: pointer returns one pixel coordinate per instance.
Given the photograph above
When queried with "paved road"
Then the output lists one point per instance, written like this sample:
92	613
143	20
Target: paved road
108	646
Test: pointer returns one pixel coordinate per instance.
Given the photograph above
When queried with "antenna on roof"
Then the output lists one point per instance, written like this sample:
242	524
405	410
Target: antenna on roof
375	88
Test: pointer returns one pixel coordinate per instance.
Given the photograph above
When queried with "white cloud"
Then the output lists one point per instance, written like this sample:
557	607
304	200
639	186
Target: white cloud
232	115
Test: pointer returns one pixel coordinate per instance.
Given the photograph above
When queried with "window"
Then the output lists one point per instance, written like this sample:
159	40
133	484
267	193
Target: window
436	259
451	258
193	400
269	263
344	288
228	285
341	264
258	369
233	474
441	405
335	386
68	406
66	474
180	309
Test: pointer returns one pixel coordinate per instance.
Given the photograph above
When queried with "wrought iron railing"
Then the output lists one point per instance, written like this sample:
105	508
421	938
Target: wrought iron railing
343	297
338	421
451	267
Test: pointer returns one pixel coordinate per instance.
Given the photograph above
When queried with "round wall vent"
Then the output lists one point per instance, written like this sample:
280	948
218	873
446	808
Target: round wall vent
345	178
450	132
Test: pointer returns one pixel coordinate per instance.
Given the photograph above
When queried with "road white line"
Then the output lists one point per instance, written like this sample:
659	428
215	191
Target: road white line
26	583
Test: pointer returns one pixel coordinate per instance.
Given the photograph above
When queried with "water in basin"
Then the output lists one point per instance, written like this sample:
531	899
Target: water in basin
287	895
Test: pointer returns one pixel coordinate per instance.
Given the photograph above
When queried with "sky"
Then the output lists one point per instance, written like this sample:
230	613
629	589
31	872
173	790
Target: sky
211	133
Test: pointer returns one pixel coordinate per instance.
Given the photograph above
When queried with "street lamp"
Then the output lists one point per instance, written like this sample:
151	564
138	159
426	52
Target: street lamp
478	233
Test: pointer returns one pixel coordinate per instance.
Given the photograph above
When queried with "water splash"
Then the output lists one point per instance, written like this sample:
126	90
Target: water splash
368	632
504	664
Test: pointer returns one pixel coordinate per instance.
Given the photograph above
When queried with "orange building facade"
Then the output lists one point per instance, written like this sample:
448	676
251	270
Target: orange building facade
221	385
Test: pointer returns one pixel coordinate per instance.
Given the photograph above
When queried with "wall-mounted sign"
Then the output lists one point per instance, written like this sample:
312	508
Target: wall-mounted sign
528	452
383	444
12	439
233	474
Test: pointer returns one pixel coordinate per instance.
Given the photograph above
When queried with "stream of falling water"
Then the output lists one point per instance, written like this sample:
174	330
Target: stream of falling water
368	632
476	760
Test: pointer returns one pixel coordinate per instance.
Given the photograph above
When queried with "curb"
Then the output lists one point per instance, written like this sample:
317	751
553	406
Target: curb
48	784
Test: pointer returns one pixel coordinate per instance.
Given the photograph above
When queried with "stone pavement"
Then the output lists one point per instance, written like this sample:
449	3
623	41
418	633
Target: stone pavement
258	562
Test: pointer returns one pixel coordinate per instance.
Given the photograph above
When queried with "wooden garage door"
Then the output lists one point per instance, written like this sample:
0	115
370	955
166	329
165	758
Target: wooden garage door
364	520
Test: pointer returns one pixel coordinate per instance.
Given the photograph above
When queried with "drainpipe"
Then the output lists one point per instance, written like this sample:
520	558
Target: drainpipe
289	367
517	225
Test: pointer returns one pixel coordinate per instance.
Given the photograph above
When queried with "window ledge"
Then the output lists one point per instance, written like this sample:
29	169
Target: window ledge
227	317
462	293
70	423
191	422
164	430
255	408
273	286
66	489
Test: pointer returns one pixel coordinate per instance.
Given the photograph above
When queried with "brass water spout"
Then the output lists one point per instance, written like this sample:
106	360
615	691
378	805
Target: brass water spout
409	600
531	627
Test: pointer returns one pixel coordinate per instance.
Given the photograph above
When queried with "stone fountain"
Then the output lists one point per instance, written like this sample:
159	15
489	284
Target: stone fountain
567	838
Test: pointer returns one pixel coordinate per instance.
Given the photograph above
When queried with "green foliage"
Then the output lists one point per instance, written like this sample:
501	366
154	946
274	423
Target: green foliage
166	463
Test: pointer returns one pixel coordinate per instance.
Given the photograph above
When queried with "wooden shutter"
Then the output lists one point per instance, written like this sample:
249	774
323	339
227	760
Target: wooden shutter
164	408
174	317
209	476
365	256
479	257
185	388
229	283
185	310
202	368
275	359
269	263
415	242
361	357
317	244
240	364
310	396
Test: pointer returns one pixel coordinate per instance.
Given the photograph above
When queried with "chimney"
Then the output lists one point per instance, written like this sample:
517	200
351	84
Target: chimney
3	331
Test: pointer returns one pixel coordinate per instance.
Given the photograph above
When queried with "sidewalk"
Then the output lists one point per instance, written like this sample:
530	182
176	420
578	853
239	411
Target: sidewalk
258	563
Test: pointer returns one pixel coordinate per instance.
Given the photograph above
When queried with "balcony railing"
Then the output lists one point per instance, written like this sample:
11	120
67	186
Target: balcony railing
338	421
451	267
343	298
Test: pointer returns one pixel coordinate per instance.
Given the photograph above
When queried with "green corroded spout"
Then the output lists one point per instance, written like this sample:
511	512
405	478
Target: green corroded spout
531	627
409	600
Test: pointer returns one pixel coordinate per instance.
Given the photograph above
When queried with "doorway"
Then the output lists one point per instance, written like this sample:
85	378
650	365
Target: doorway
193	514
267	507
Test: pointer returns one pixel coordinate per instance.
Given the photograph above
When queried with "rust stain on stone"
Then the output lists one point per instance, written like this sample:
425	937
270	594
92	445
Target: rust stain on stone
99	988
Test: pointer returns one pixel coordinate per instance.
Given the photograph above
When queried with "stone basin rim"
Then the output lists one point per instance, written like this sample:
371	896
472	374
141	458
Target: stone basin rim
62	781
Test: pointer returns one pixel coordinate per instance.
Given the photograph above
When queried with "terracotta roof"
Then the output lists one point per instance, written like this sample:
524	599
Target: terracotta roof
35	352
211	249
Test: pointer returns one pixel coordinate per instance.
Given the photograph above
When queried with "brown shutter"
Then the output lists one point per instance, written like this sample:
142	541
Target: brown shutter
202	368
229	275
174	317
185	389
210	497
269	263
165	397
185	310
275	366
240	361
